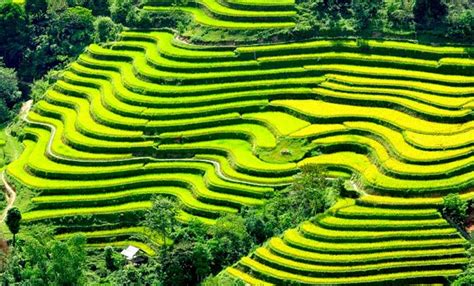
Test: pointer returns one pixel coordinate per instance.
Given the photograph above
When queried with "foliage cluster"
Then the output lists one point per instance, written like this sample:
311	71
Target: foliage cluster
45	35
9	92
38	259
455	208
451	19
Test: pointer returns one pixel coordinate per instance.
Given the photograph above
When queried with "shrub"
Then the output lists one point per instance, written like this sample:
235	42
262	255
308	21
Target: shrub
106	30
455	208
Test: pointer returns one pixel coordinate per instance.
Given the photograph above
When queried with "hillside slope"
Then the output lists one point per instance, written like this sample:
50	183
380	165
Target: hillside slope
150	115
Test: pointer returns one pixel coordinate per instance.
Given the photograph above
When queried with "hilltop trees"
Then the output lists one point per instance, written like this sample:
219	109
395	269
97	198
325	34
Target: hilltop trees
429	13
45	35
454	19
72	31
13	33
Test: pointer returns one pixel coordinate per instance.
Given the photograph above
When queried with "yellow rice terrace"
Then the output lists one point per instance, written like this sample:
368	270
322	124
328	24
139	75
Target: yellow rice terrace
289	160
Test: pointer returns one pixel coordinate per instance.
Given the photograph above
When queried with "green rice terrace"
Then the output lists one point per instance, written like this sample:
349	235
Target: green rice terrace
232	14
225	127
151	115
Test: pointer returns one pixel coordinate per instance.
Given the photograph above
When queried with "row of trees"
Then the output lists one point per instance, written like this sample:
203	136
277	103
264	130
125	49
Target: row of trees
454	19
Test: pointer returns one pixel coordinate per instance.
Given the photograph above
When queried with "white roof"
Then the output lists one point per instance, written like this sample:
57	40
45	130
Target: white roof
130	252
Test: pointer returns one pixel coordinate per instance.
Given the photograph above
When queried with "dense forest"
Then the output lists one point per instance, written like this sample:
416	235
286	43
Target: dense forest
39	39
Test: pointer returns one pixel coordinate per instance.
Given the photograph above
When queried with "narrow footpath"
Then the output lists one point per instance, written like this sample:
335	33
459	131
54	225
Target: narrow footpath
10	196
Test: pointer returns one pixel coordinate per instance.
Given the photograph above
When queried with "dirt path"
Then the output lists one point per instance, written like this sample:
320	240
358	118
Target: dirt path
26	106
10	195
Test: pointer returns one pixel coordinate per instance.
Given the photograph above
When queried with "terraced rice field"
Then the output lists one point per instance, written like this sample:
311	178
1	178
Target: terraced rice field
233	14
357	243
150	115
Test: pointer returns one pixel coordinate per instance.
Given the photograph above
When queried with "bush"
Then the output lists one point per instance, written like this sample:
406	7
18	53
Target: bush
310	194
461	24
9	92
106	30
455	208
39	87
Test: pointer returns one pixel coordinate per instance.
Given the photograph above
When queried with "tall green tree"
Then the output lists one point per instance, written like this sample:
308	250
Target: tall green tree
186	263
162	216
98	7
120	9
106	30
230	241
72	31
67	261
63	38
398	15
13	33
455	208
429	14
13	222
366	12
9	91
461	20
36	7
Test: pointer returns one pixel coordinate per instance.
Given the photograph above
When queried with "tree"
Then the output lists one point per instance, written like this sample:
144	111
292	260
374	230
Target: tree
98	7
428	14
162	216
72	31
106	30
178	265
311	193
67	261
119	10
461	23
399	15
9	91
59	41
13	35
36	7
230	241
112	261
455	208
365	12
13	221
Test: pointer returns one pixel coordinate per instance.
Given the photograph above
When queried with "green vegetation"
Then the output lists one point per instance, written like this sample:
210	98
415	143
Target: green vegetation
334	156
10	147
13	221
9	92
315	253
48	261
455	208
